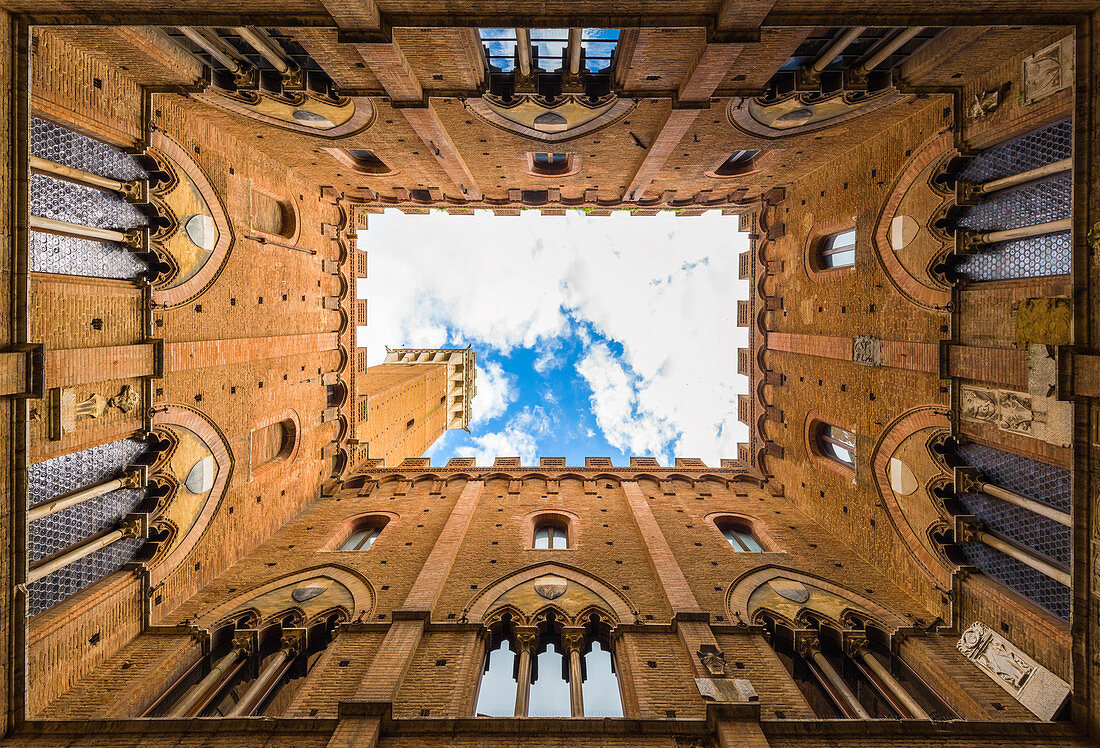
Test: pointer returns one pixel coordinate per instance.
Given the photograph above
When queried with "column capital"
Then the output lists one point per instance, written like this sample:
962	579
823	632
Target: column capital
967	480
968	529
572	638
293	640
807	644
855	644
244	642
526	637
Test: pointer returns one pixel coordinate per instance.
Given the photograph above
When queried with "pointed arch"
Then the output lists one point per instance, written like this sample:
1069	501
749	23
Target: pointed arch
192	193
183	531
741	590
915	538
350	591
617	604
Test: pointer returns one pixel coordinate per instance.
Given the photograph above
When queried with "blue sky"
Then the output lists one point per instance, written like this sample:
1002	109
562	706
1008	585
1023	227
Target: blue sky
596	336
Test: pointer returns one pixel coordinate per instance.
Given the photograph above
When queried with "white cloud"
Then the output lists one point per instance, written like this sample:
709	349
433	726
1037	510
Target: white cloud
519	438
664	287
624	417
496	390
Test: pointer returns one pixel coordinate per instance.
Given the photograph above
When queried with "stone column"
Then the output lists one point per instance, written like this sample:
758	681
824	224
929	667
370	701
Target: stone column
969	480
858	649
241	648
292	644
133	526
134	477
572	638
526	638
968	529
809	649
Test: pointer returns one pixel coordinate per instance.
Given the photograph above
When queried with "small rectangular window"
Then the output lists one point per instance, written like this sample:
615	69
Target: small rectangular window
409	423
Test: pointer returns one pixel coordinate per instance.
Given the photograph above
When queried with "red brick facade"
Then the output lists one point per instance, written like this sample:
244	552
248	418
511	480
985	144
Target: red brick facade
253	357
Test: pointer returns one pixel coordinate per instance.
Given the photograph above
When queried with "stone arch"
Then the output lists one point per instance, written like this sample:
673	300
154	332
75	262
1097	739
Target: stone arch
904	509
195	190
350	114
758	527
802	112
353	593
182	539
914	190
579	116
615	603
741	591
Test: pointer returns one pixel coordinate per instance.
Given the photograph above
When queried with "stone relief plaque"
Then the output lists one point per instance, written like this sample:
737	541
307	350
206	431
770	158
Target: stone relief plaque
1041	418
1038	689
1048	71
867	350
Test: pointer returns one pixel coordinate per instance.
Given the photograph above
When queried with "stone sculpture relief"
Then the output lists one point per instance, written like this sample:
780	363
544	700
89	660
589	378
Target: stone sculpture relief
1048	71
867	350
1030	683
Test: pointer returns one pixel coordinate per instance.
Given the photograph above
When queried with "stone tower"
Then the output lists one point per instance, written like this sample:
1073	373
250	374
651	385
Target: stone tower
406	403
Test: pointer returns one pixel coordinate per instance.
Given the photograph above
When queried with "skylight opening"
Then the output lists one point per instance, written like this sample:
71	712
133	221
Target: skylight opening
607	336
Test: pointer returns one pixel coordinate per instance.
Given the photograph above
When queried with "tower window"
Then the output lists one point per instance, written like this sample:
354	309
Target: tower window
271	443
361	540
740	538
409	423
551	535
739	162
366	161
837	444
364	531
838	250
550	164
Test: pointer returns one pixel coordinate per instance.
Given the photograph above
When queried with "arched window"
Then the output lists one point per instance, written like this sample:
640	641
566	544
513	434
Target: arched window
837	444
365	161
740	536
551	534
566	668
739	162
361	540
272	216
272	442
837	250
363	533
550	164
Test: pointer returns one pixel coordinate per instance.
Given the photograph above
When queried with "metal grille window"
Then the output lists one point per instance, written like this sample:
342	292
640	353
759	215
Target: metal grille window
362	539
839	250
551	536
837	444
